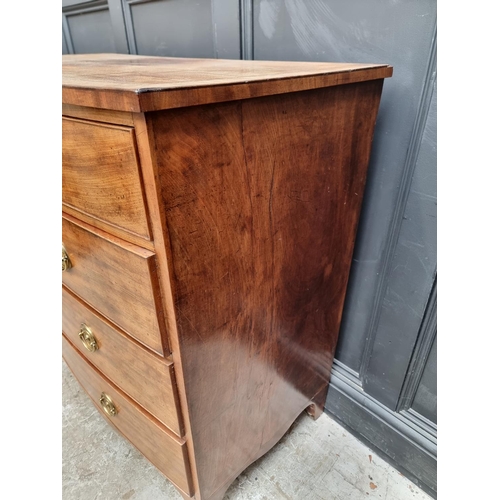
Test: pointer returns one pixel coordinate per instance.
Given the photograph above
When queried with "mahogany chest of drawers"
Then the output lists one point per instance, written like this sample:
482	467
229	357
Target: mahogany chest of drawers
209	217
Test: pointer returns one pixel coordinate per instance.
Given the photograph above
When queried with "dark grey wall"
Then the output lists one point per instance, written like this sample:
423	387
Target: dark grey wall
383	385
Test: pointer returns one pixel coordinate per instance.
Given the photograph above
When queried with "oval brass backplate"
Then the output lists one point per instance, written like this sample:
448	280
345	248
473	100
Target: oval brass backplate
107	405
87	338
66	263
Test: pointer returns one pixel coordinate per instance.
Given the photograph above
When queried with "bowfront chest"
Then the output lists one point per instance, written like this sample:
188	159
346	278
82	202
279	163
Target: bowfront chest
209	217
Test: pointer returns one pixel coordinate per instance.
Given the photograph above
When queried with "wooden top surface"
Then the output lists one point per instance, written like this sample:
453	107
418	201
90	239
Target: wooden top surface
145	83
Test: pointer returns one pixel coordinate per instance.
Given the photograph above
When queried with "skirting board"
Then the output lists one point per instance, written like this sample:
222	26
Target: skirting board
392	435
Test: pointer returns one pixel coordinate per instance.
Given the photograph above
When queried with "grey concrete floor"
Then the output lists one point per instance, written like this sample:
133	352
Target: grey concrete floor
314	460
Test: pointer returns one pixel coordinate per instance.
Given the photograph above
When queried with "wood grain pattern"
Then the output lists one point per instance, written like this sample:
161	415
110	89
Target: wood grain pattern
101	174
145	377
262	199
250	179
111	230
165	451
118	279
99	115
146	147
143	83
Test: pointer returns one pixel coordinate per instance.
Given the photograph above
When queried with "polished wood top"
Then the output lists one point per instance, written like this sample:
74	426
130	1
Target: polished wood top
145	83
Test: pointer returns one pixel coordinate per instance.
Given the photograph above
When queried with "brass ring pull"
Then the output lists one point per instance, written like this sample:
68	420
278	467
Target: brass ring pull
66	263
87	338
107	405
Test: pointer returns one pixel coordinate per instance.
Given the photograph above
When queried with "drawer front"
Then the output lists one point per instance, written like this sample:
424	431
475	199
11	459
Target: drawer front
166	453
116	278
145	377
101	175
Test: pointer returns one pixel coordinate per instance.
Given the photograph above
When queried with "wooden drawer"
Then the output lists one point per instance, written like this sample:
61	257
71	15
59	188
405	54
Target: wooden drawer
165	451
144	376
116	278
101	175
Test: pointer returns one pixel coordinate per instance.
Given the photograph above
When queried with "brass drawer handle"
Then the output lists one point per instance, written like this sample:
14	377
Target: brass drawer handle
87	338
107	405
66	263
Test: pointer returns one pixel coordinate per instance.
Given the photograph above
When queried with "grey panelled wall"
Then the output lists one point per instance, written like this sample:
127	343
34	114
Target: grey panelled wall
425	401
409	275
383	385
384	382
158	28
87	28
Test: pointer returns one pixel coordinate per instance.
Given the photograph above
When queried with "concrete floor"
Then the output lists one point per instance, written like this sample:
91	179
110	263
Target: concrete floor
315	460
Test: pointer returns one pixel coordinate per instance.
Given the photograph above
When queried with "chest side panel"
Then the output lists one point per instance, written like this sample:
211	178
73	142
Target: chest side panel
262	199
